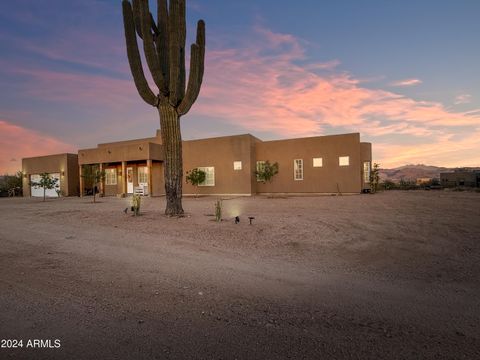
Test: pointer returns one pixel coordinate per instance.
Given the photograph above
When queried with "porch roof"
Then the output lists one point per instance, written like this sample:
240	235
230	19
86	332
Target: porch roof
122	152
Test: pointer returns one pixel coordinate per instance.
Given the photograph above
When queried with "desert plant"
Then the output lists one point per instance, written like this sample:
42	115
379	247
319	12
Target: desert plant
374	178
164	48
11	185
218	210
136	201
195	177
46	182
267	171
388	185
93	175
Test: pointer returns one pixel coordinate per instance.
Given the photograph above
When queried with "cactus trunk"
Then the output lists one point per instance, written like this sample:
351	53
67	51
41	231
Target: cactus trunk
164	50
173	167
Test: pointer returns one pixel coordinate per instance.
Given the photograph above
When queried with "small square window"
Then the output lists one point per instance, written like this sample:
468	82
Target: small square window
237	165
344	160
317	162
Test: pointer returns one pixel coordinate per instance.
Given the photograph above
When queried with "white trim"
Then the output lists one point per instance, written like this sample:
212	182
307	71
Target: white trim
111	180
295	169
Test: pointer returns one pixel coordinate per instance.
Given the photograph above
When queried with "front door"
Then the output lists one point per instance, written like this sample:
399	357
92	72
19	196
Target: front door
129	180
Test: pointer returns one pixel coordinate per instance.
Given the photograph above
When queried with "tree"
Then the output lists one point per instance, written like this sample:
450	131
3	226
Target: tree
266	171
164	49
11	185
46	182
94	176
374	178
195	177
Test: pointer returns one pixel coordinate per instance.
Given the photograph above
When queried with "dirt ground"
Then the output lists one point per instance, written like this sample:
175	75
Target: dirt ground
390	276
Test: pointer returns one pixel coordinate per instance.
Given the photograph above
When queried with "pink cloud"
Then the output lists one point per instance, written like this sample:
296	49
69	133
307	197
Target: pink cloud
463	99
443	151
269	85
407	82
262	87
18	142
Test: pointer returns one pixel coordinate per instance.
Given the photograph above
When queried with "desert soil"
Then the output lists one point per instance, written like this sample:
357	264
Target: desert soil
388	276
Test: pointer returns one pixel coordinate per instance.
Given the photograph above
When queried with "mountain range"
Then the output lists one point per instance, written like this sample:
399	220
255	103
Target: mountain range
414	172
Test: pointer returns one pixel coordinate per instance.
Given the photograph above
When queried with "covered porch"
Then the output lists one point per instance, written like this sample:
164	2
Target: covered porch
129	168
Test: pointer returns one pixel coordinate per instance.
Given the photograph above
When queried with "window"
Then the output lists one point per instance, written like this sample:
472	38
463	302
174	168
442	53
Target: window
142	175
110	176
366	172
317	162
298	169
237	165
344	160
260	167
209	176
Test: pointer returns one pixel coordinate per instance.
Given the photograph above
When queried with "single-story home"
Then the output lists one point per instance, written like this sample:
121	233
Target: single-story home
312	165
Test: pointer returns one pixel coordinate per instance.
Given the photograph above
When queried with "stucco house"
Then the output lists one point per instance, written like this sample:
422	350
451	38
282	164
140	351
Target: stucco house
313	165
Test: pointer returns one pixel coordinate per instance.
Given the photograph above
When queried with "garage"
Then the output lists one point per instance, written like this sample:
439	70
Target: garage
37	191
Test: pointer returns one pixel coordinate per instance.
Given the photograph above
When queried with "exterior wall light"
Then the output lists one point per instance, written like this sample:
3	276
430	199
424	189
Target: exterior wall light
251	218
237	219
63	172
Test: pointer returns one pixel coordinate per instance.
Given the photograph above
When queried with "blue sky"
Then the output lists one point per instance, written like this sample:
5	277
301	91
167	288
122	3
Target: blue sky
402	73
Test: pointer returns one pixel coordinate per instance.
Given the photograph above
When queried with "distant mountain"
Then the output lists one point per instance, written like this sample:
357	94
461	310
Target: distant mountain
414	172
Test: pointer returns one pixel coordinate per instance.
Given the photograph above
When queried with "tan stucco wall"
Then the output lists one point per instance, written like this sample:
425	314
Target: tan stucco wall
66	163
330	178
220	153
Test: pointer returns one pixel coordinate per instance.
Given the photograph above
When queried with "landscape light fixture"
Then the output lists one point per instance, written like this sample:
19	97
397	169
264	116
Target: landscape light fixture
251	218
237	219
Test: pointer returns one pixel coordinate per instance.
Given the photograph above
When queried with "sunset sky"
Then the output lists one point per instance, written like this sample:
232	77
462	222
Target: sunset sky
405	74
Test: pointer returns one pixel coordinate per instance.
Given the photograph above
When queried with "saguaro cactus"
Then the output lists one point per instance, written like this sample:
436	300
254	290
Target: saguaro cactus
164	48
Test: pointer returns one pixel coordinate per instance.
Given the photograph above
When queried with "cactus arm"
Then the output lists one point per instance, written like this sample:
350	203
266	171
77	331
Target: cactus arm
162	40
149	47
197	65
154	26
177	31
136	17
134	56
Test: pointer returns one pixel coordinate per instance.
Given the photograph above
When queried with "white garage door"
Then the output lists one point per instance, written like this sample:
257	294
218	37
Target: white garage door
37	191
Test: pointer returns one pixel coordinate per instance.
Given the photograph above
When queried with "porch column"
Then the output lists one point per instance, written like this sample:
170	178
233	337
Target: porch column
102	184
81	179
124	177
150	185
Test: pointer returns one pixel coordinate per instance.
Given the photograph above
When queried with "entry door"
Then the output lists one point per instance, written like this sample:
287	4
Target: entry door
130	180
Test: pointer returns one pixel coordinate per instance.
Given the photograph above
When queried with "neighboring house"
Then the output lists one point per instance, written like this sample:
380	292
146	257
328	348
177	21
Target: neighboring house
322	164
460	178
424	180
